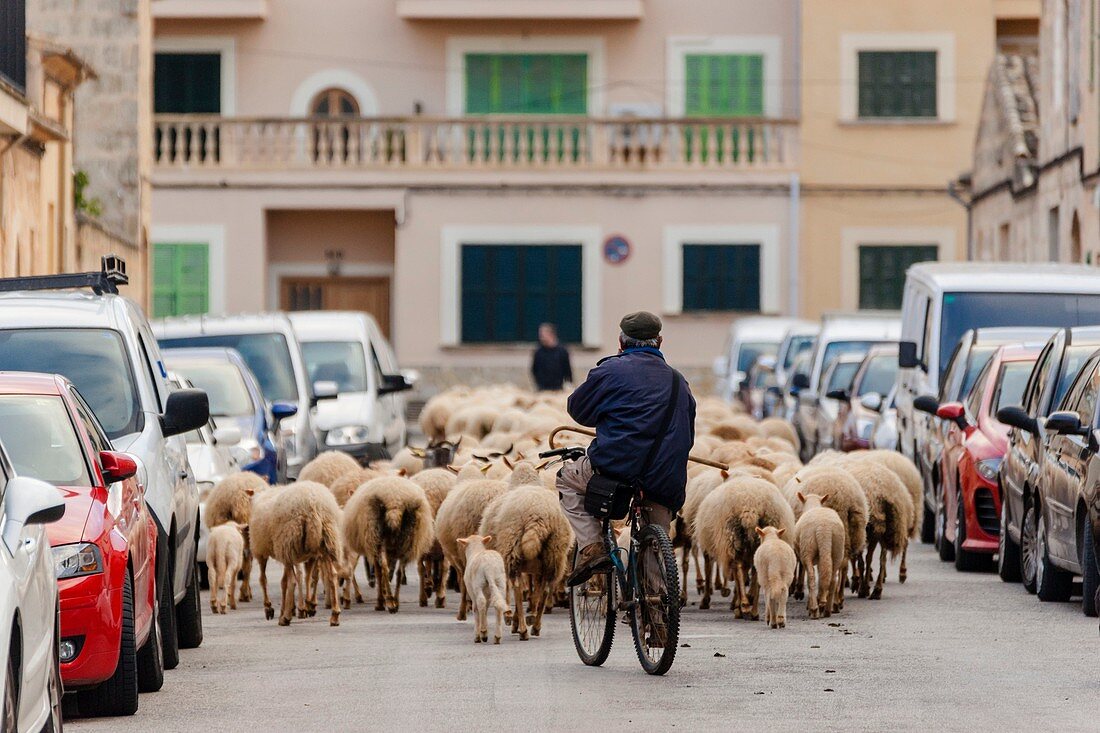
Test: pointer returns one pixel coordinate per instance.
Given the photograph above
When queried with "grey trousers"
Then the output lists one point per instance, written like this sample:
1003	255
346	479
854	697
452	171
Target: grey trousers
572	483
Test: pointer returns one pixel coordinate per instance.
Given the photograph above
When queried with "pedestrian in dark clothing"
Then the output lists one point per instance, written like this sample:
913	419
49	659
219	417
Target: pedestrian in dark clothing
550	366
626	398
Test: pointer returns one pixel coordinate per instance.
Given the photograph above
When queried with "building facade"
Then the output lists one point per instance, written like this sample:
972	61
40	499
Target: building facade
1036	161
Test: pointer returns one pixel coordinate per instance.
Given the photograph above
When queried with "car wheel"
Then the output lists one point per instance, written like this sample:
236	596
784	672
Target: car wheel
119	694
11	696
189	613
1051	582
166	604
946	549
1029	547
1090	575
1008	552
55	723
151	658
965	560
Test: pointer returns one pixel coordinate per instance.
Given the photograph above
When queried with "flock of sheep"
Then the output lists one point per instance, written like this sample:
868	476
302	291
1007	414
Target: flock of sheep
477	501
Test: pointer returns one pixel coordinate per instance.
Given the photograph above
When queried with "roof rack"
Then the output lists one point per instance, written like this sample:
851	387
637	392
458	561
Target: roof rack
112	273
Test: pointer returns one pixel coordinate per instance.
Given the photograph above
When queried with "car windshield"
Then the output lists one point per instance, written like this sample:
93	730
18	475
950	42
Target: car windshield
92	359
836	348
224	385
985	310
267	355
750	350
842	375
880	375
1014	376
1075	358
979	357
41	440
797	345
342	362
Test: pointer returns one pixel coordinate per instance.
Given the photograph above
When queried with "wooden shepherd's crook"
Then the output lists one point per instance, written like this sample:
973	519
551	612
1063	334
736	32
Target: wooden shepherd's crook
592	433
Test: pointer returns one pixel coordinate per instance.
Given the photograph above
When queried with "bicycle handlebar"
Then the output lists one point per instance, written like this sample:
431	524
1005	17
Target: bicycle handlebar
592	433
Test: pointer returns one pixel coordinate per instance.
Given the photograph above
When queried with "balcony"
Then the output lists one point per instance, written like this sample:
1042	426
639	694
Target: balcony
209	9
531	149
520	9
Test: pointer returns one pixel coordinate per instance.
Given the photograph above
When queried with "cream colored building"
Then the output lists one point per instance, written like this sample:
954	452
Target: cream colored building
1036	160
891	97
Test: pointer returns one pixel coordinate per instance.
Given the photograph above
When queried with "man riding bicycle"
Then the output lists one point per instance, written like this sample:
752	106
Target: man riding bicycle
644	416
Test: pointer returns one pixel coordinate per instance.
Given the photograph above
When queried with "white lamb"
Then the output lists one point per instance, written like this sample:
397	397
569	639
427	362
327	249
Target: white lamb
486	582
819	542
774	562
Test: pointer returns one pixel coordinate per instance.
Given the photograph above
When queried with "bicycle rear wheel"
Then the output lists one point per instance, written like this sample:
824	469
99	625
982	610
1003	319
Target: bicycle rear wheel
655	620
592	618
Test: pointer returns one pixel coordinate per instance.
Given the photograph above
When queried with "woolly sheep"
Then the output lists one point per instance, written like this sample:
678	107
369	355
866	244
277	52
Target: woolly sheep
346	485
889	516
407	460
774	562
231	501
819	544
777	427
725	527
534	538
224	555
433	567
486	580
698	488
460	516
327	467
911	478
389	522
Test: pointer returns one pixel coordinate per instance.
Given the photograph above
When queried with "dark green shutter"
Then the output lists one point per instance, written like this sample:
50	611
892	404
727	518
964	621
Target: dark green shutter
181	279
187	83
721	277
897	84
513	83
508	290
882	272
719	85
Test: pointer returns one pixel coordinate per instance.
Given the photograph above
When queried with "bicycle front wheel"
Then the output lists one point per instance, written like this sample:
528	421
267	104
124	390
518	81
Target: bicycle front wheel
592	618
655	620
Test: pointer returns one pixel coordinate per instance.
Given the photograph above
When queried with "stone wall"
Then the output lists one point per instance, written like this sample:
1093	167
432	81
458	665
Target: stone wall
93	241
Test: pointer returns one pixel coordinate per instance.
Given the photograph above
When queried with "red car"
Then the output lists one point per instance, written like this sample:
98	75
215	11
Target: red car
104	547
968	509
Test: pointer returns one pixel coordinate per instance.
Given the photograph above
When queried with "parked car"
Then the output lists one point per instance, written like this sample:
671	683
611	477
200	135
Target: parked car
839	334
790	391
798	339
835	382
941	301
1057	366
268	345
969	356
860	404
754	393
104	548
347	351
30	673
969	507
748	338
236	400
884	429
102	343
1058	517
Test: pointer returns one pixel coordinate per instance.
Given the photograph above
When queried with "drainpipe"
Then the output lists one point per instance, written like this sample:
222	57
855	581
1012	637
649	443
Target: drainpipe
793	262
953	192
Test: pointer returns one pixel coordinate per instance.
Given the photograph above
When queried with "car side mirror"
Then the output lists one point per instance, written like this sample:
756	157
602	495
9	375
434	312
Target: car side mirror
412	377
393	383
230	435
926	403
871	401
282	410
837	394
29	501
954	412
184	411
1065	423
117	466
907	355
800	381
325	390
1017	417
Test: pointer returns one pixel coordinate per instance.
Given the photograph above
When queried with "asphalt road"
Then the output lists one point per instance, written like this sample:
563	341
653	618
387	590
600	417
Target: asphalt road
945	651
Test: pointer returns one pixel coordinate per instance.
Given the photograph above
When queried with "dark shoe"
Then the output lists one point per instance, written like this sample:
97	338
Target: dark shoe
591	560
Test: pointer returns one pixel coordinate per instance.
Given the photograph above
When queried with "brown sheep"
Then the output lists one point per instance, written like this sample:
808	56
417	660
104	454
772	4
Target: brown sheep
327	467
909	476
890	513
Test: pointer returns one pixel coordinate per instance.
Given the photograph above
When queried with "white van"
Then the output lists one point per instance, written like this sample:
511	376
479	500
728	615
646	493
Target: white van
944	300
748	339
840	334
347	349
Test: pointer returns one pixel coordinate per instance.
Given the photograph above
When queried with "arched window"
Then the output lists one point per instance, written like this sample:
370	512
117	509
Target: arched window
334	102
335	142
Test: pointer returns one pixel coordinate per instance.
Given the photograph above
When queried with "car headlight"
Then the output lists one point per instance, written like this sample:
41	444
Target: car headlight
77	560
287	438
347	435
988	468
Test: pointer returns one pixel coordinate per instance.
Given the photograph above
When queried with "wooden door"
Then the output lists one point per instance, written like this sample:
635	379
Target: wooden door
369	294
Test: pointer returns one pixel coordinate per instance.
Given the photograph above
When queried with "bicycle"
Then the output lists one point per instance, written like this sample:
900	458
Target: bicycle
646	587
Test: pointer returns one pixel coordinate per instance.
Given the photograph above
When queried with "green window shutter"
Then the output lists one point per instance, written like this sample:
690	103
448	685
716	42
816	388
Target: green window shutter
181	279
508	290
187	83
897	84
721	277
723	85
512	83
882	272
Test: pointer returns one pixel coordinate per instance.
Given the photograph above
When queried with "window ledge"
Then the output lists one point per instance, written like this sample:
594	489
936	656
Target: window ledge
897	121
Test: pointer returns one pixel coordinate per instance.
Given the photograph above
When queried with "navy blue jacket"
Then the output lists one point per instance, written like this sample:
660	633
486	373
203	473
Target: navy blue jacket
625	398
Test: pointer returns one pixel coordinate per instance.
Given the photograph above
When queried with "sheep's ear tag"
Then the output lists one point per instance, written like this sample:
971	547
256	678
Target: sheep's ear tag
485	468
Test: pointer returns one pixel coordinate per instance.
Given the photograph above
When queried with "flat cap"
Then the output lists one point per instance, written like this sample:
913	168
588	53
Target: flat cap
641	325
